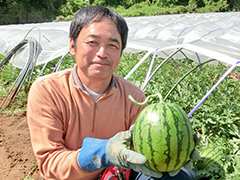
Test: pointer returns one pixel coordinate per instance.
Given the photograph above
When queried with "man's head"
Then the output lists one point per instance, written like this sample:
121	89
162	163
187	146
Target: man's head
91	14
97	37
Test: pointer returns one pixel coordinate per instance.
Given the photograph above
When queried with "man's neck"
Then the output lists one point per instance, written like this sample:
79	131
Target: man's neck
99	87
96	85
94	95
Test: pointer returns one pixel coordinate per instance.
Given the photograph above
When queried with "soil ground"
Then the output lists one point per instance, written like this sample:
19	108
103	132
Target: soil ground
17	161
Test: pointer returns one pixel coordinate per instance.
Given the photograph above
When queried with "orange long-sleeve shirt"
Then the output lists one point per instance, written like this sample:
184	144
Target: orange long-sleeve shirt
61	114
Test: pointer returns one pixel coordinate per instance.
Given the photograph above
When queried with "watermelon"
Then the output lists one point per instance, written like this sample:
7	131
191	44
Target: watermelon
208	156
164	135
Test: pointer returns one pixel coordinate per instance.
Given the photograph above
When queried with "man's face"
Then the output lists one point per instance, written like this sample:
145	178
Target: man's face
97	50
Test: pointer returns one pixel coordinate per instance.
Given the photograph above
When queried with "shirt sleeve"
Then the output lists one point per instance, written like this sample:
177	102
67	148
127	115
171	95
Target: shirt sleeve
45	123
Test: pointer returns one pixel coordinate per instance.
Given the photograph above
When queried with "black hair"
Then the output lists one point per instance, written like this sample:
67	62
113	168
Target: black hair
91	14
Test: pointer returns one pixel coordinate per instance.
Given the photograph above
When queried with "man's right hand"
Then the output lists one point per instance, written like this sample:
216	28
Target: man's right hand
118	155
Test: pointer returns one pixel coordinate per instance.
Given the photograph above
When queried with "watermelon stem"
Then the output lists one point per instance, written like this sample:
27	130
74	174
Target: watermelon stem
144	102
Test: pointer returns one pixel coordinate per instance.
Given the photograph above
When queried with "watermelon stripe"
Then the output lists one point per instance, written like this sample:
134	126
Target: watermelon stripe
179	134
139	135
210	156
190	145
152	150
168	138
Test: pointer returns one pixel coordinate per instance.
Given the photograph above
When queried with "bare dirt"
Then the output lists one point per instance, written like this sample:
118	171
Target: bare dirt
17	161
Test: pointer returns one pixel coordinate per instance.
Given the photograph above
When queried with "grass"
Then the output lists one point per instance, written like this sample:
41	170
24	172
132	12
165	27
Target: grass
217	118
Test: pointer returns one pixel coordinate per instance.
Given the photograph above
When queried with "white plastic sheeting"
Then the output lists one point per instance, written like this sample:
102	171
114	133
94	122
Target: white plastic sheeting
199	37
51	37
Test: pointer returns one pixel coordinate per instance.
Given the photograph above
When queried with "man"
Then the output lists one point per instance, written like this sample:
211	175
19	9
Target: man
79	119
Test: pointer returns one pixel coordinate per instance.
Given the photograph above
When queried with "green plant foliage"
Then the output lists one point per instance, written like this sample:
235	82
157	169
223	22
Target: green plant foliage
214	6
21	11
234	5
71	7
15	12
164	3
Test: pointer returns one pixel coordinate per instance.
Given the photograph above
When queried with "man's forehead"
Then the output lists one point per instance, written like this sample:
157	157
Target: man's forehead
102	19
105	25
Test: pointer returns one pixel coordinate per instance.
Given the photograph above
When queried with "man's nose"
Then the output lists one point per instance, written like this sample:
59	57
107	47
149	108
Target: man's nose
102	52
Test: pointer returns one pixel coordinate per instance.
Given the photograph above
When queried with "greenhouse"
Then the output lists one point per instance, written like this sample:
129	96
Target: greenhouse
197	37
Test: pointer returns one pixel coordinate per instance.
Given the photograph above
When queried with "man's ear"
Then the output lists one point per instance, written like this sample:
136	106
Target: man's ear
72	47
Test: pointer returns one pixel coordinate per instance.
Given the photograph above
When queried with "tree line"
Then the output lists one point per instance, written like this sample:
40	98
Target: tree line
35	11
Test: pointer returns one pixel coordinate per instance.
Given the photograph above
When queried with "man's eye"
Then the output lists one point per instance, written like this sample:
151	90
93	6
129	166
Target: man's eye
113	46
92	42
